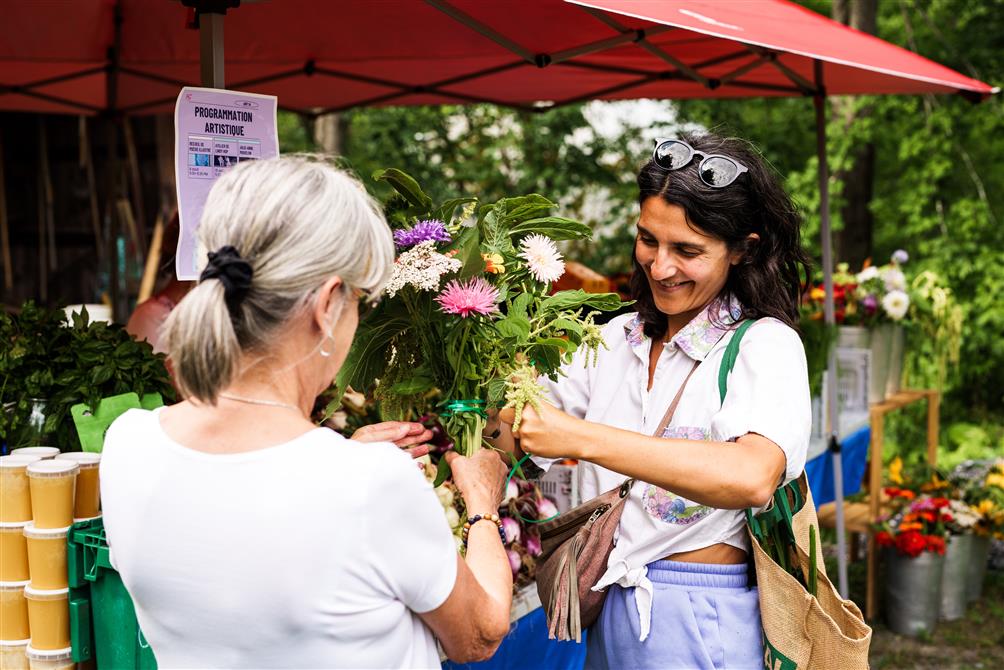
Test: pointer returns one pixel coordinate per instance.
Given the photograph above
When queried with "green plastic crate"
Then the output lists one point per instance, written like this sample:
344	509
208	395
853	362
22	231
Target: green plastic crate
103	624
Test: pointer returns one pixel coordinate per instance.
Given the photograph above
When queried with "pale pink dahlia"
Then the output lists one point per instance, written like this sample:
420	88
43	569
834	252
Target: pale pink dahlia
475	296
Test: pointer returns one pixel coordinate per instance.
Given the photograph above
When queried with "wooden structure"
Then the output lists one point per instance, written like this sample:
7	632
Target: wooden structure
859	516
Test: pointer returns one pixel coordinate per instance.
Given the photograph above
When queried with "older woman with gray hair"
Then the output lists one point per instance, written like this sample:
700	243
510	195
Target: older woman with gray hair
246	535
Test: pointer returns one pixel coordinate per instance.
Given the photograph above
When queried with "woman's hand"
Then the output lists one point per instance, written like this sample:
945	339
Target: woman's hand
547	432
402	433
479	479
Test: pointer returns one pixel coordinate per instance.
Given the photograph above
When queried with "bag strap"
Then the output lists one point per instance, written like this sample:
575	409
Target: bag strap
729	359
668	416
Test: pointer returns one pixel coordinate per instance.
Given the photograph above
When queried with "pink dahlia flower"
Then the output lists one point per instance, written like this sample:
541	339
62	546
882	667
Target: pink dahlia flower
475	296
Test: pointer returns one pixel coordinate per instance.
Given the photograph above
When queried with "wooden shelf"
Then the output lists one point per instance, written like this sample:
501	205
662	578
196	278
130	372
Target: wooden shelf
859	516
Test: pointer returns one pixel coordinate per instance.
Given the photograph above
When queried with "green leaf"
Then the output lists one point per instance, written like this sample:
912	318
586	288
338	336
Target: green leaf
446	210
555	227
571	300
520	304
404	184
468	246
368	356
557	343
514	325
523	207
442	472
414	386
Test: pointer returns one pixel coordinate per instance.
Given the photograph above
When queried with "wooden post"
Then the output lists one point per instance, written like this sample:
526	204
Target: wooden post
933	427
152	262
874	503
8	267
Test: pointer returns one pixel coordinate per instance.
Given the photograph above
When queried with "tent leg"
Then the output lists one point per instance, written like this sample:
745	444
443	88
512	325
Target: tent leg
832	419
211	49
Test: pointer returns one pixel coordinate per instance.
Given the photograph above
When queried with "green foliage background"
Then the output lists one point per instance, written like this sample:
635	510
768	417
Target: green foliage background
939	183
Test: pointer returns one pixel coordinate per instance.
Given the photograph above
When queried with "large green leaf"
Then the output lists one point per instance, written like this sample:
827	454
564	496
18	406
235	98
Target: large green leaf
565	300
515	210
514	325
555	227
368	356
404	184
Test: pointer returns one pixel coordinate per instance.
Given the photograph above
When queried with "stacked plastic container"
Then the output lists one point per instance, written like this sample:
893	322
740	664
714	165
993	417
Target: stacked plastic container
43	494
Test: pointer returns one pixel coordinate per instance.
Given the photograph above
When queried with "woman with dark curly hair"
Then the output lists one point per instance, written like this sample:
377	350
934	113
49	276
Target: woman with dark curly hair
718	245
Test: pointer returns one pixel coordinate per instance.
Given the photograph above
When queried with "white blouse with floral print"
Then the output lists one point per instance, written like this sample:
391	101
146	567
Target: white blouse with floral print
768	394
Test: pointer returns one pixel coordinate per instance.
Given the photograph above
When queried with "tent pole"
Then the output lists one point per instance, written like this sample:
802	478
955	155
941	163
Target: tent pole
211	49
832	417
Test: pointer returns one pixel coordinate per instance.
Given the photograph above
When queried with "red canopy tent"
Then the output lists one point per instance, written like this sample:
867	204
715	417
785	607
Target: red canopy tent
131	57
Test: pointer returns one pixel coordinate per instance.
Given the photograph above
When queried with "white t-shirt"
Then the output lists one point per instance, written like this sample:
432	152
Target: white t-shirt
768	394
316	553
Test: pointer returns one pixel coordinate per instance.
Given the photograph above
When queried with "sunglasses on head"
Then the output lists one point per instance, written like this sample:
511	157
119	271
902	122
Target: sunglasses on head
716	170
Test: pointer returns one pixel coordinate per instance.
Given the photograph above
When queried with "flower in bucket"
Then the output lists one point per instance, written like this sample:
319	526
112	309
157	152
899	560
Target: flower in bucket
918	527
896	303
475	296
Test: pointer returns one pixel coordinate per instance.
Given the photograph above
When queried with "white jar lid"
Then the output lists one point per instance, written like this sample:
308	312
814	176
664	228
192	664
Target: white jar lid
17	460
49	654
81	458
44	452
52	468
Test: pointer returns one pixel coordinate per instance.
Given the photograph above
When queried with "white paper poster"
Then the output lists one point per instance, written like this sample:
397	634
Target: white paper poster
214	129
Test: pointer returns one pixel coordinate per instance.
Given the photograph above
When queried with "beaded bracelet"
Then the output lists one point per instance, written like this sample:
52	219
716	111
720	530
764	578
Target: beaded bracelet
494	518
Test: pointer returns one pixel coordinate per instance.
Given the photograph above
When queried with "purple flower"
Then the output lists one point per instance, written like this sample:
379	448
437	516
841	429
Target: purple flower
431	230
870	303
900	256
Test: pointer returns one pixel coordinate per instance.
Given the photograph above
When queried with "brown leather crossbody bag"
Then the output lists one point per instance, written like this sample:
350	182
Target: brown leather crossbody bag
576	546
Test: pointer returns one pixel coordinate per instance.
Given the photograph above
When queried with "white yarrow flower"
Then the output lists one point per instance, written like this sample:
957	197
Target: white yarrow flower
422	267
895	303
542	257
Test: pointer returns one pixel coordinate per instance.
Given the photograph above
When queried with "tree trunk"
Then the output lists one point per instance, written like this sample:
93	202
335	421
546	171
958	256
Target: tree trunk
331	132
854	240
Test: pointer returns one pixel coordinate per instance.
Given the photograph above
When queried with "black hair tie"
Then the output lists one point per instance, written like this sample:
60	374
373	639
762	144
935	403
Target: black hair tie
233	272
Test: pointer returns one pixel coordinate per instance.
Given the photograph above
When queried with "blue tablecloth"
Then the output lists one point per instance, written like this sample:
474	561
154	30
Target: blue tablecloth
854	455
527	646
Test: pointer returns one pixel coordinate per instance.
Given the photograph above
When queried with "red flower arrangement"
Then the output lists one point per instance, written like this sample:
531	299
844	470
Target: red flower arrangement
918	528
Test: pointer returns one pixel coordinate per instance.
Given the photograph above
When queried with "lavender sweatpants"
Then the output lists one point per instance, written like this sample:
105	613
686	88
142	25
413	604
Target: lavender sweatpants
703	618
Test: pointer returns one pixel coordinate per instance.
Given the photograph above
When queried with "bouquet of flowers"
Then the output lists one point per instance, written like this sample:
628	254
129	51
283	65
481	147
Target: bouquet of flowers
919	525
874	295
468	312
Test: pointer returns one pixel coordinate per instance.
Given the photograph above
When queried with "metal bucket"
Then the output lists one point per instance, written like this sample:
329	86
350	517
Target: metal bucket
853	337
912	591
897	349
978	556
881	346
955	576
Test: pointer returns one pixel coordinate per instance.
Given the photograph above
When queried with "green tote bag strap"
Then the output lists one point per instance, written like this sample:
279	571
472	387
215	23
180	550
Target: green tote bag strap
729	359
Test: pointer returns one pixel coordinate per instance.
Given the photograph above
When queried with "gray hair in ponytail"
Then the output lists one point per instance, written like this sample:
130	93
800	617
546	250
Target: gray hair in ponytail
297	220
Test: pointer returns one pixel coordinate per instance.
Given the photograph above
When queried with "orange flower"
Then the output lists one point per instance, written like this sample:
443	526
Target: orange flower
494	263
907	494
906	527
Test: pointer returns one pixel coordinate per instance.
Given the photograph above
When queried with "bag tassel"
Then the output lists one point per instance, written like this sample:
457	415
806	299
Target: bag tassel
566	622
